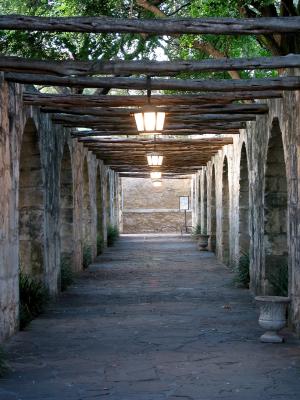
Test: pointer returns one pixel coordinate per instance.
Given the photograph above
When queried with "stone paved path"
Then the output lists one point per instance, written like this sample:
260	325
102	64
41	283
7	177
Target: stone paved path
153	319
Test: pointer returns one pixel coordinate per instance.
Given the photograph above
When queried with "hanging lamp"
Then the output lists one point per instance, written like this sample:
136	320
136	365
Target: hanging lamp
157	182
149	119
155	175
154	158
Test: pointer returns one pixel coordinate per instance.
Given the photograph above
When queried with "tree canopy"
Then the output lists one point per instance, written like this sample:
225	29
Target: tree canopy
79	46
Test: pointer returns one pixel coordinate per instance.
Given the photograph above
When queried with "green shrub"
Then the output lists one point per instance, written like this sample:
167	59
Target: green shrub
66	273
279	279
34	297
112	235
3	365
242	274
196	230
86	256
99	244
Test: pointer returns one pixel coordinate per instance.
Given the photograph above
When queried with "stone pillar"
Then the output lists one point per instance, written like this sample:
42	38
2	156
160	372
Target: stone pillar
9	267
103	172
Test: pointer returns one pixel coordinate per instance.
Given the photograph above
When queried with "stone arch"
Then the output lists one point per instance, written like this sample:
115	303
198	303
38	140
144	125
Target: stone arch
204	226
108	195
31	204
213	210
66	205
86	204
99	205
244	237
275	210
225	213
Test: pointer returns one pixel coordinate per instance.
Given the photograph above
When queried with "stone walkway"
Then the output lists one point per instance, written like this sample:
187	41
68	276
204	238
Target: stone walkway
152	319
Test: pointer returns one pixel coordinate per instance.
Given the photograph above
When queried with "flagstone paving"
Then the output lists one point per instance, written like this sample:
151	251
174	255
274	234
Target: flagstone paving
152	319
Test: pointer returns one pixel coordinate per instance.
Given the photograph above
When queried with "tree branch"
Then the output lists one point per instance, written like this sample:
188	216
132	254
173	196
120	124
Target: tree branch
208	48
150	7
179	8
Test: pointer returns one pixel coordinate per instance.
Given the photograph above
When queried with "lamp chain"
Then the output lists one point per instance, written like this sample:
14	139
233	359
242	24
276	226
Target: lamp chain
148	85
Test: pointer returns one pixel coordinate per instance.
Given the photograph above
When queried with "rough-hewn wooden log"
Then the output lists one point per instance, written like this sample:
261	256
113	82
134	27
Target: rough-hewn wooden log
136	100
210	85
153	68
144	141
179	132
220	26
179	110
175	119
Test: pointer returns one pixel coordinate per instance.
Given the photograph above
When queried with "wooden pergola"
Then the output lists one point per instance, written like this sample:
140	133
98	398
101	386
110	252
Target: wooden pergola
215	107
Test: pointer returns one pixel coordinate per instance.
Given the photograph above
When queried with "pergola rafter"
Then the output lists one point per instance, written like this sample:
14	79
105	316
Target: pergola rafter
206	85
170	26
215	109
153	68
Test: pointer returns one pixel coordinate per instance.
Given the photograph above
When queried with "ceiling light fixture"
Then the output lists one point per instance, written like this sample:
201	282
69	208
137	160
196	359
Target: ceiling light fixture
154	158
149	119
155	175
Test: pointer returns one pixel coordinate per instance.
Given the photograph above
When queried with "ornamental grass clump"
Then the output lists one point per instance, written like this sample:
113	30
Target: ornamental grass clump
196	230
99	244
112	235
242	271
3	364
66	273
279	279
86	256
34	297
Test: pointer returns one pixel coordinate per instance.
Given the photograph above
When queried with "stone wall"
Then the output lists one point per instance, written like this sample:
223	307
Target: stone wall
42	200
250	201
147	209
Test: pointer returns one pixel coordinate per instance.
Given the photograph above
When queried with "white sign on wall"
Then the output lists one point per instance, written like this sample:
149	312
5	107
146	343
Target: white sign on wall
184	202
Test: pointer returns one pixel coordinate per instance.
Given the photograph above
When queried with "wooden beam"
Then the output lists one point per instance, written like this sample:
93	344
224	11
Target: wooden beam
178	110
167	142
128	121
178	132
170	26
154	68
52	100
208	85
170	129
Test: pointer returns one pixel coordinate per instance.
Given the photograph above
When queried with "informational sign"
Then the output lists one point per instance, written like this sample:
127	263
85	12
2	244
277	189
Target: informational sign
184	203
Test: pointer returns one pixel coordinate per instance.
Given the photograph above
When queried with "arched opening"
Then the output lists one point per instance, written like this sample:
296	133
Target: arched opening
66	207
225	213
204	227
86	211
213	217
108	190
275	214
197	197
99	197
31	205
244	237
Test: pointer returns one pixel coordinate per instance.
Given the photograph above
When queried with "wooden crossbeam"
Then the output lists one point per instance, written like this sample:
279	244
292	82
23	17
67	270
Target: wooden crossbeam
155	68
159	141
178	132
220	26
209	85
128	121
52	100
178	110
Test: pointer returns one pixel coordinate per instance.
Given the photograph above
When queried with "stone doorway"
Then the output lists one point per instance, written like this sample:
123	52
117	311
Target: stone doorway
31	204
86	206
225	213
213	217
244	237
66	206
275	213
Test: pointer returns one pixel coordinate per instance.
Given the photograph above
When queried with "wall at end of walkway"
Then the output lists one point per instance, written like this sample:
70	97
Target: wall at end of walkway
147	209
